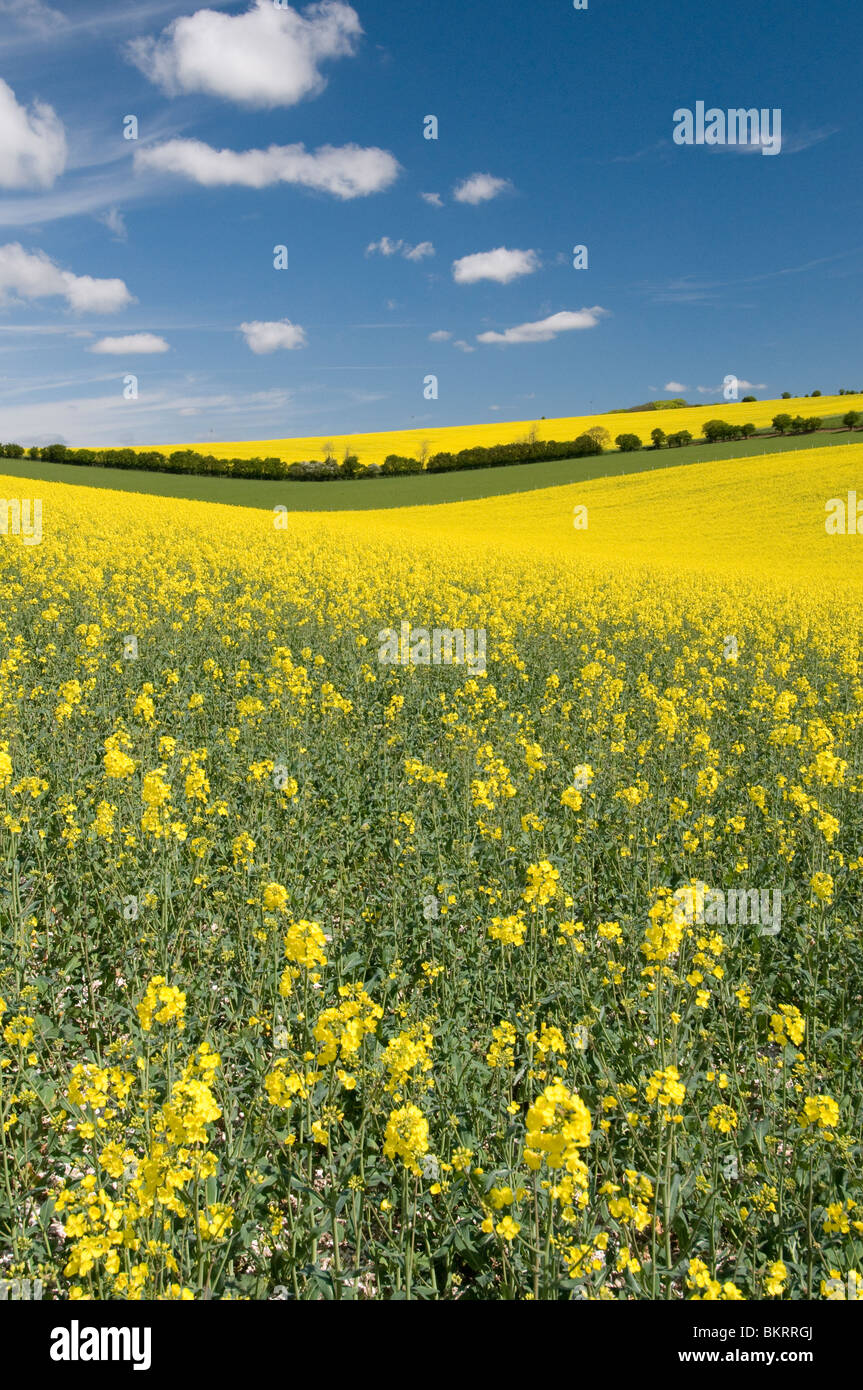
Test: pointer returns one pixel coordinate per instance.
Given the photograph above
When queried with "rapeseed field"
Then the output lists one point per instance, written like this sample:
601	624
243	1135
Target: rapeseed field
327	975
373	448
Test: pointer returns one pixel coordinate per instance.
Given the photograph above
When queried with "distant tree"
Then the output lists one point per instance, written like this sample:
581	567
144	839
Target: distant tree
748	430
679	439
628	443
396	464
816	393
659	438
717	429
786	395
852	419
583	446
782	423
747	399
602	436
812	424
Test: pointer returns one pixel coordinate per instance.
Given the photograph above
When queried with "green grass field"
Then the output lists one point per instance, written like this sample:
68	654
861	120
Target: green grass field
422	489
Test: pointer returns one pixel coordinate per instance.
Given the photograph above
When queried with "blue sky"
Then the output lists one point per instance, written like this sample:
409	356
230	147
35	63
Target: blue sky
262	125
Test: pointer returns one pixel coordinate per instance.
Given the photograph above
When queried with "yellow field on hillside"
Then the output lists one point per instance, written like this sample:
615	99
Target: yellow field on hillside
760	518
317	956
373	448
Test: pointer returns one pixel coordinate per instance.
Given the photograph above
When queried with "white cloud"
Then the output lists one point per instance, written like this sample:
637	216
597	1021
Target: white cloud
442	335
33	275
479	188
110	420
434	199
267	337
132	343
268	56
387	247
546	329
465	347
87	196
419	252
346	171
33	15
500	265
113	220
33	147
674	386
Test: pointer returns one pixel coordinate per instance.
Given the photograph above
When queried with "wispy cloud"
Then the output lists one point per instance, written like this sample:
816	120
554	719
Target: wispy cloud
691	289
157	414
388	247
544	330
85	197
34	16
113	220
658	147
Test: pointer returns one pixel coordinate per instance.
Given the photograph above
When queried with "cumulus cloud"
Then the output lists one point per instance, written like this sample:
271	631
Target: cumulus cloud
441	335
674	386
434	199
387	247
146	343
268	337
268	56
479	188
33	147
545	329
463	346
500	265
346	171
33	275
